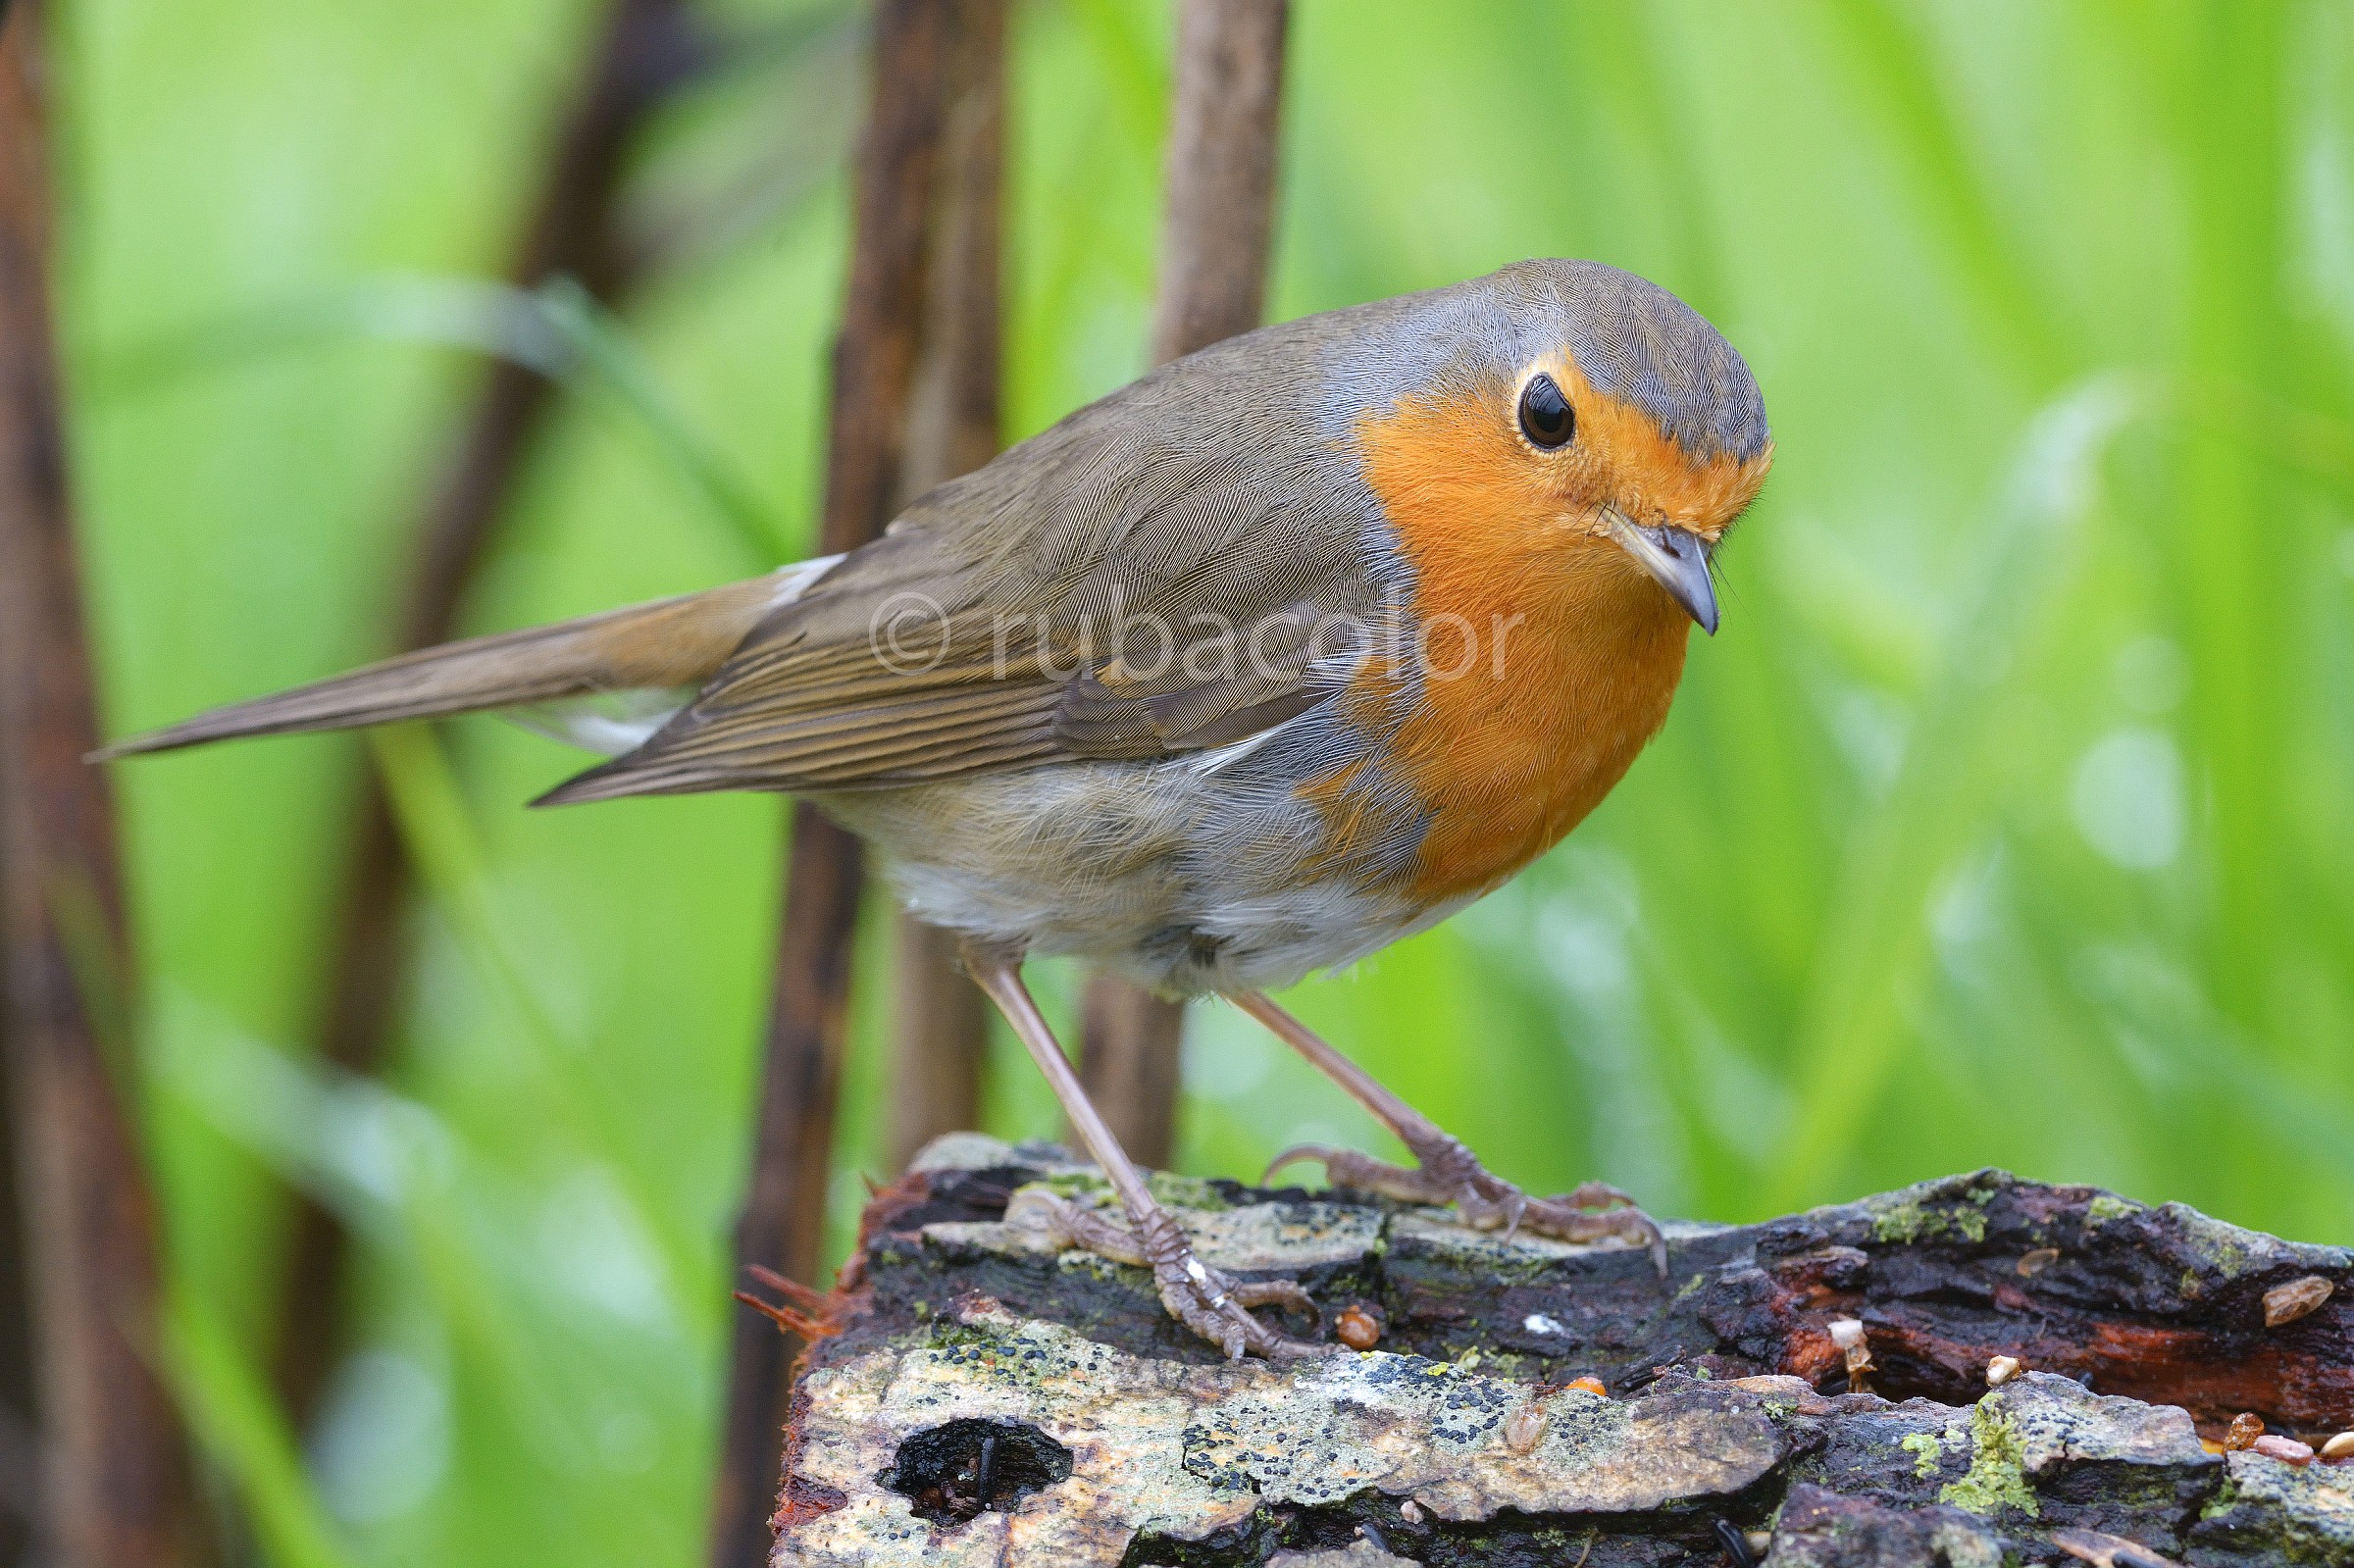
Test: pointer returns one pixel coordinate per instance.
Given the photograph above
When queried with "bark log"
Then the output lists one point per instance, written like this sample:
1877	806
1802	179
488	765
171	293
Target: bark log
782	1226
1721	1401
1220	214
646	49
114	1476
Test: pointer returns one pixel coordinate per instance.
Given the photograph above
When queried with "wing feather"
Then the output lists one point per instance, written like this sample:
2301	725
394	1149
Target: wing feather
990	628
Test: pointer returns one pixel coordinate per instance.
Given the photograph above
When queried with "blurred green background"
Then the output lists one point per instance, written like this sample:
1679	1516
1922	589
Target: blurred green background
2006	822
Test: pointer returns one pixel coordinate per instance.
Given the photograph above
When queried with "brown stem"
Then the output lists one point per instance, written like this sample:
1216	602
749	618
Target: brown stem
645	50
1213	278
941	1031
115	1473
1221	172
941	1043
899	158
1129	1044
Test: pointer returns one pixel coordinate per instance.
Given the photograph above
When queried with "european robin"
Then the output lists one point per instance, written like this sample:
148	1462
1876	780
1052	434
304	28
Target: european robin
1290	648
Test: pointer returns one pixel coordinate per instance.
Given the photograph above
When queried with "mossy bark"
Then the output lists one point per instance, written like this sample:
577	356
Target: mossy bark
985	1395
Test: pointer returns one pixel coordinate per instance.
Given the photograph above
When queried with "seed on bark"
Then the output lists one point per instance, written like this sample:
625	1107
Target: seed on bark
2285	1303
1357	1327
2288	1450
2036	1262
1522	1428
1589	1384
2109	1551
2340	1449
2002	1369
1735	1545
2245	1427
1411	1510
1847	1334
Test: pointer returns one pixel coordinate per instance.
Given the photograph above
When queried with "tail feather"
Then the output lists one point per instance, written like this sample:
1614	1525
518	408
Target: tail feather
666	645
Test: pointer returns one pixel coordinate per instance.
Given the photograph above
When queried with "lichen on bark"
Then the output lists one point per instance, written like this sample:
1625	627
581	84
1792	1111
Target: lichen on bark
1458	1439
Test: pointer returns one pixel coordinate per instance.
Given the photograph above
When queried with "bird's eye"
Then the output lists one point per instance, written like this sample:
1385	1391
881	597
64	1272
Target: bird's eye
1546	417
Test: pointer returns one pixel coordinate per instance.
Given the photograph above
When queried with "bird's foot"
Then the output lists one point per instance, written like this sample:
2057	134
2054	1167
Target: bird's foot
1447	1172
1203	1299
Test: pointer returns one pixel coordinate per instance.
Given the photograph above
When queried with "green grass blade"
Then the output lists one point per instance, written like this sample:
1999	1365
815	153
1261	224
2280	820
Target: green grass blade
440	834
240	1428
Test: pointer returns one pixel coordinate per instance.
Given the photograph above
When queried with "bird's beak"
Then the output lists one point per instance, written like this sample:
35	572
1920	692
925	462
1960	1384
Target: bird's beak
1677	560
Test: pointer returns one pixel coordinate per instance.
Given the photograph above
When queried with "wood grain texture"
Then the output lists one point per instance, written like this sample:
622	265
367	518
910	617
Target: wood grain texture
644	52
114	1475
895	170
1217	230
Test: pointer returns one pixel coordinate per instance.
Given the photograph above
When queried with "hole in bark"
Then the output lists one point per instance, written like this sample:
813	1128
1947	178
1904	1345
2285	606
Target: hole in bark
953	1472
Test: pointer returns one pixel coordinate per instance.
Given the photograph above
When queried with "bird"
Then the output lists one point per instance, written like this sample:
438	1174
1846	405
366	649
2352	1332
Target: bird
1286	650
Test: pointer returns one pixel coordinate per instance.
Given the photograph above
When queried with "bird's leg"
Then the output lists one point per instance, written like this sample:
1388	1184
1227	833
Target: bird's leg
1444	1171
1200	1297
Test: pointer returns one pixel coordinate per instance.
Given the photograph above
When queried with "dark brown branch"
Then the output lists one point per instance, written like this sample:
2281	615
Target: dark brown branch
941	1031
646	48
1213	277
783	1222
115	1477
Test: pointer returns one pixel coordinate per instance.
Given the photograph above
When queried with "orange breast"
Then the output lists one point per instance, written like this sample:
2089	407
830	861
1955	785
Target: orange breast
1546	658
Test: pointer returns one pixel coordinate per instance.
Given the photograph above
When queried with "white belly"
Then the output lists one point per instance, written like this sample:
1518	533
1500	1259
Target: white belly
1184	878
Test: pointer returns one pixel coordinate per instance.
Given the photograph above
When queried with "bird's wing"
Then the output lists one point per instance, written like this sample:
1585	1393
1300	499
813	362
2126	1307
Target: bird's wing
1092	595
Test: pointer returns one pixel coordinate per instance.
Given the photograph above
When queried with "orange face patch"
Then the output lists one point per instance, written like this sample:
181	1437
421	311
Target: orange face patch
1547	655
1620	455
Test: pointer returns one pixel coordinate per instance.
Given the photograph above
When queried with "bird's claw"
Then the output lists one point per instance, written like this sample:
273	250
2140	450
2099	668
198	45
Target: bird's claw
1321	1155
1447	1172
1203	1299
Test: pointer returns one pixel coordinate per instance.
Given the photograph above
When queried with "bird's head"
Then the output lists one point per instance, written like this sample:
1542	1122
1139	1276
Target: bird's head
1581	414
